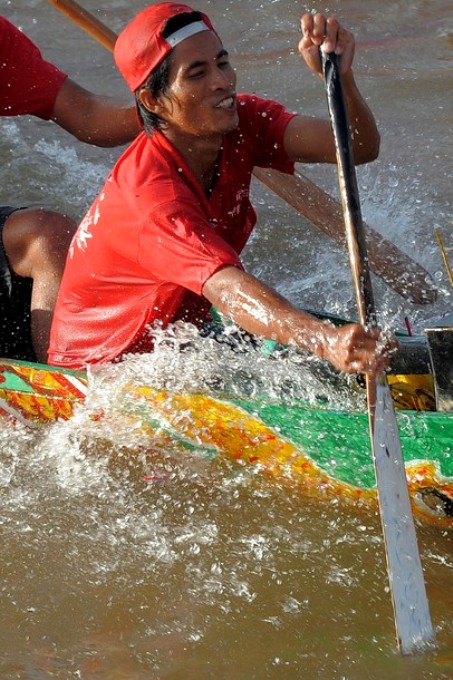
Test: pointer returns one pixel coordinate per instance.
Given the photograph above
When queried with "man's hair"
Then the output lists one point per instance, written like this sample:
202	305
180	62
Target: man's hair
157	81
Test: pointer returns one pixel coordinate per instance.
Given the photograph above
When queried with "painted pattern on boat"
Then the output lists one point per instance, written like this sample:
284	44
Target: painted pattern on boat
325	452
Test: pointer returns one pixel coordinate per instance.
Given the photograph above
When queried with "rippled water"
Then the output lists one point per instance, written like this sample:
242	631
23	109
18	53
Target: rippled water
120	558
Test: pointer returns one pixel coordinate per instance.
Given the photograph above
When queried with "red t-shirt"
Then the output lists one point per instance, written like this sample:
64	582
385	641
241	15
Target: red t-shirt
152	239
28	83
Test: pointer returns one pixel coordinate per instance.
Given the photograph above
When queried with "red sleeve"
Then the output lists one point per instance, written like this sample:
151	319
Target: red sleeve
265	121
28	83
178	245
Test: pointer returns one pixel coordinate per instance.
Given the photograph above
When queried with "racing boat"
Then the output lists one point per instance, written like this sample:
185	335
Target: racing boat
322	450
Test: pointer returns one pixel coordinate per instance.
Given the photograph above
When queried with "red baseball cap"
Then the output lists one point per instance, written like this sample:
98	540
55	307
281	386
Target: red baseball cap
140	47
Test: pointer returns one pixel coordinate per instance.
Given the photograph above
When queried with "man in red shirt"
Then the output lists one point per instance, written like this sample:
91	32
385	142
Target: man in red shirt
34	242
162	240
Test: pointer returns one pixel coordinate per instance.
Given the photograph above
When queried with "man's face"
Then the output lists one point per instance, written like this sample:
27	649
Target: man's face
200	99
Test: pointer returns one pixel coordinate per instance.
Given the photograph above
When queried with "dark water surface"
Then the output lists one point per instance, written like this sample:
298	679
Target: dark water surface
121	560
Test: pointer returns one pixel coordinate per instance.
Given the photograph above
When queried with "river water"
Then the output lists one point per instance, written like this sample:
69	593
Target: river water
122	560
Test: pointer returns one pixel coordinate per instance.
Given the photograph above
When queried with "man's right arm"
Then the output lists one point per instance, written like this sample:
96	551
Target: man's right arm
262	311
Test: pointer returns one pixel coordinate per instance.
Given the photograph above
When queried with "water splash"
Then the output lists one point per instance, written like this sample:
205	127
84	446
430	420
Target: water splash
232	365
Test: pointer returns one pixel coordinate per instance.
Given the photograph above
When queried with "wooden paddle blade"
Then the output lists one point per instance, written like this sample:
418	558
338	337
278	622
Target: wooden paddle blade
410	603
407	277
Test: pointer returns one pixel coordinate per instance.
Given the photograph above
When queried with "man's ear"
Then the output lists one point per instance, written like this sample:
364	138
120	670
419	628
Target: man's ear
149	101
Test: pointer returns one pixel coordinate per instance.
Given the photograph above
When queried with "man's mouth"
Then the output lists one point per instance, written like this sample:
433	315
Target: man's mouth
226	103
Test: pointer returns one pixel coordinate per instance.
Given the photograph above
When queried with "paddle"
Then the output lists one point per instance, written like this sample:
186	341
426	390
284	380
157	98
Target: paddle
443	252
410	604
397	269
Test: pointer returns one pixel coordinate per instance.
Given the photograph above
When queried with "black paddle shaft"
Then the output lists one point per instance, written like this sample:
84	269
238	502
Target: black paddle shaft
355	231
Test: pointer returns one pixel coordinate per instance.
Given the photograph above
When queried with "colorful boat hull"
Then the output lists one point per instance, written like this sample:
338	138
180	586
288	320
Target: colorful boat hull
324	452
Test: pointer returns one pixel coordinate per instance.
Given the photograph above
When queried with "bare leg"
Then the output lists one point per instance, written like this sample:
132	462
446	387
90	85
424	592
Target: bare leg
36	243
